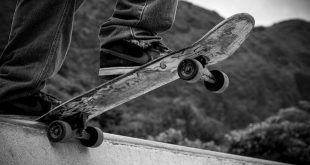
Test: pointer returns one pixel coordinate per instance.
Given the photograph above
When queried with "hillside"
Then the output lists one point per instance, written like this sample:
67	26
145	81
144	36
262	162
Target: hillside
263	75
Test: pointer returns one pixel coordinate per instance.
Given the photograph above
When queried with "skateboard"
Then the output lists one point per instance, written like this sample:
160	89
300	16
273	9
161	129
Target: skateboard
69	120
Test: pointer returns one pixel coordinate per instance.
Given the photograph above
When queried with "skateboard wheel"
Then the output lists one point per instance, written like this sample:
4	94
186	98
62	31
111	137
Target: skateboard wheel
190	70
95	137
221	82
59	131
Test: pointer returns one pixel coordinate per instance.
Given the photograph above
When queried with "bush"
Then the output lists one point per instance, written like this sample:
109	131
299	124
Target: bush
284	137
174	136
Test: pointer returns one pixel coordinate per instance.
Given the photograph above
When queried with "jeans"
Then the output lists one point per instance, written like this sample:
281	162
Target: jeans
41	34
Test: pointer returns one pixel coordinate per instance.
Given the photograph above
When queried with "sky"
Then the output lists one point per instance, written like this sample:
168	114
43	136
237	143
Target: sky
265	12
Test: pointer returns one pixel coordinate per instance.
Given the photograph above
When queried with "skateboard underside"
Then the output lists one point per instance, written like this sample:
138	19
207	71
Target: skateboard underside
217	45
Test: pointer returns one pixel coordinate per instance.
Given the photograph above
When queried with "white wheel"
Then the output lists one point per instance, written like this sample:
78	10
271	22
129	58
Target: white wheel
221	82
190	70
95	137
59	131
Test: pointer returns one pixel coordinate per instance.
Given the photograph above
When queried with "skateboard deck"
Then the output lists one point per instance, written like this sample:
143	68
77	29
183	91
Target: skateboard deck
215	46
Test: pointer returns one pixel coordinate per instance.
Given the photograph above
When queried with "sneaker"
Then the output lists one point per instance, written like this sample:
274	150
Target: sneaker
123	56
34	105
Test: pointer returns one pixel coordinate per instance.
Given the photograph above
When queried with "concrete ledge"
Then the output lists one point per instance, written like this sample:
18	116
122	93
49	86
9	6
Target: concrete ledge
25	143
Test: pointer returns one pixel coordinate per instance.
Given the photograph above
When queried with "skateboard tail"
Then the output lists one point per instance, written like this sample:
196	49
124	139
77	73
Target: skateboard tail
229	34
241	16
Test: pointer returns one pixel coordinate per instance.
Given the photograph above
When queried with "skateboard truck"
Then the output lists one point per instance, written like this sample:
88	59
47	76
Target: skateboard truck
75	126
193	70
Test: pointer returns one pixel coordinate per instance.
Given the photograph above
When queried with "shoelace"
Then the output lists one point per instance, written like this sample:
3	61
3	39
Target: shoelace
156	46
160	47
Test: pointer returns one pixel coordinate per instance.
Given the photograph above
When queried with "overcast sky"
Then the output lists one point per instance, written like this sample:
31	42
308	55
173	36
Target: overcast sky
265	12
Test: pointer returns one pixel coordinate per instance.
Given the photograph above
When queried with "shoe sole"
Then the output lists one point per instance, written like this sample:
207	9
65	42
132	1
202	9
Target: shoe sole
140	60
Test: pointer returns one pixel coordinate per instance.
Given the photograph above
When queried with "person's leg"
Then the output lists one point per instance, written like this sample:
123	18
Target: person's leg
138	19
39	40
131	30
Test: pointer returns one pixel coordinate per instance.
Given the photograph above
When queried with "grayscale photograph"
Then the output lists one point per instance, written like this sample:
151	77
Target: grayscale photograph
145	82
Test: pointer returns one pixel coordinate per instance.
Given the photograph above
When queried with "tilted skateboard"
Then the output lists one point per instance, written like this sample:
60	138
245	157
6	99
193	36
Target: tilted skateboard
68	120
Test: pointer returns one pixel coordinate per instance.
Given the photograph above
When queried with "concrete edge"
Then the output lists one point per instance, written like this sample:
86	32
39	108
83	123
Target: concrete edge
123	140
177	148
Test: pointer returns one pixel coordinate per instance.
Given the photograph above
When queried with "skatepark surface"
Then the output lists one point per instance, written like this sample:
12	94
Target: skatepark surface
24	142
